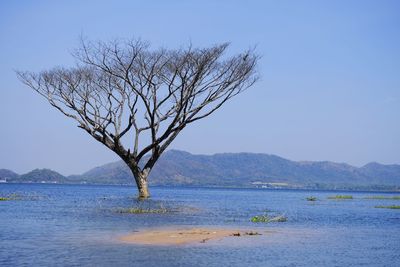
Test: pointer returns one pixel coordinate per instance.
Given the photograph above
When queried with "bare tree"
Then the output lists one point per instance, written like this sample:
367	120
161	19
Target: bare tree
136	100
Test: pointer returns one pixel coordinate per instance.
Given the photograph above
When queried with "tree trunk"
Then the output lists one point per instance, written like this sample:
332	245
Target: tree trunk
141	182
143	187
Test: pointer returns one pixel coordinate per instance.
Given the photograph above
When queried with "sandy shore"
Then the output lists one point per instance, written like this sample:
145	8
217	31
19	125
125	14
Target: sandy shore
183	236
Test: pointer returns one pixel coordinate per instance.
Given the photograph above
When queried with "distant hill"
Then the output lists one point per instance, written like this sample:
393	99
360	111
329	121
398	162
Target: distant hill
246	169
386	174
111	173
236	170
249	170
42	175
7	174
35	176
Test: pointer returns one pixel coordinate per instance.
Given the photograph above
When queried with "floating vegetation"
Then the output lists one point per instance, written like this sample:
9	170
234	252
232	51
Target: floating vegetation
279	218
137	210
21	196
267	219
261	218
311	198
145	208
153	207
384	197
10	197
394	207
341	197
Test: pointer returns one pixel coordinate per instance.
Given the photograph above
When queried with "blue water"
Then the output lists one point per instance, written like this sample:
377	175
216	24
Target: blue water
79	225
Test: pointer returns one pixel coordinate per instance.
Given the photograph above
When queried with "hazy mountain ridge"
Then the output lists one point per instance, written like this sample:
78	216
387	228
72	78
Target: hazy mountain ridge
232	170
7	174
34	176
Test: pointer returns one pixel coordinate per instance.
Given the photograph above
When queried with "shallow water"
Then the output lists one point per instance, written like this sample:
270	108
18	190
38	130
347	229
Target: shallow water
79	225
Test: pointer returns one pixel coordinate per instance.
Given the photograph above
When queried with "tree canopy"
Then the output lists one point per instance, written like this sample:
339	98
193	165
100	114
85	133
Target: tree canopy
147	96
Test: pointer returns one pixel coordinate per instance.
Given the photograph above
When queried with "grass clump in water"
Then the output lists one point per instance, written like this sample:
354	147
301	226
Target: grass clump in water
311	198
140	208
261	218
384	197
10	197
394	207
137	210
341	197
268	219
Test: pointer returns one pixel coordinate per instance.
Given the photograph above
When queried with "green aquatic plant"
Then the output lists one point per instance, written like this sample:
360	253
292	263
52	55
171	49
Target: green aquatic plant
13	196
311	198
384	197
261	218
279	218
341	197
137	210
267	219
394	207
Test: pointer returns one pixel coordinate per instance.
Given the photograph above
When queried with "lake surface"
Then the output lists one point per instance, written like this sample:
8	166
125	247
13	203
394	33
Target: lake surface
79	225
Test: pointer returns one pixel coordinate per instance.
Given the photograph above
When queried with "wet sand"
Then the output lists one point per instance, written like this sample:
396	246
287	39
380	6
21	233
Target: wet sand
183	236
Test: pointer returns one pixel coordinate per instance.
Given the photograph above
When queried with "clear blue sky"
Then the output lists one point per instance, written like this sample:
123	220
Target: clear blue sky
330	87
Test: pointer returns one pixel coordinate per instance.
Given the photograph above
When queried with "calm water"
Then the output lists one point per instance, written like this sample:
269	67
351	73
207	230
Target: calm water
66	225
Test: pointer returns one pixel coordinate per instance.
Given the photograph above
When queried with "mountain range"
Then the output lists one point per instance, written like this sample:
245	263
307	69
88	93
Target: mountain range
179	168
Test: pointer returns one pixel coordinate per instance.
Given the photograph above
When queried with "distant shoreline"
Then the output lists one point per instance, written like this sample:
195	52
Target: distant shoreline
231	170
355	189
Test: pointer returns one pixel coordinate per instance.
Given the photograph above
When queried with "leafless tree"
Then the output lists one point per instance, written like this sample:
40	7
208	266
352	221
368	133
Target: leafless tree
136	100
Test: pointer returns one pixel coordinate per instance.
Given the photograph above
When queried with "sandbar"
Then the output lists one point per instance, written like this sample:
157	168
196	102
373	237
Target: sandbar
183	236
